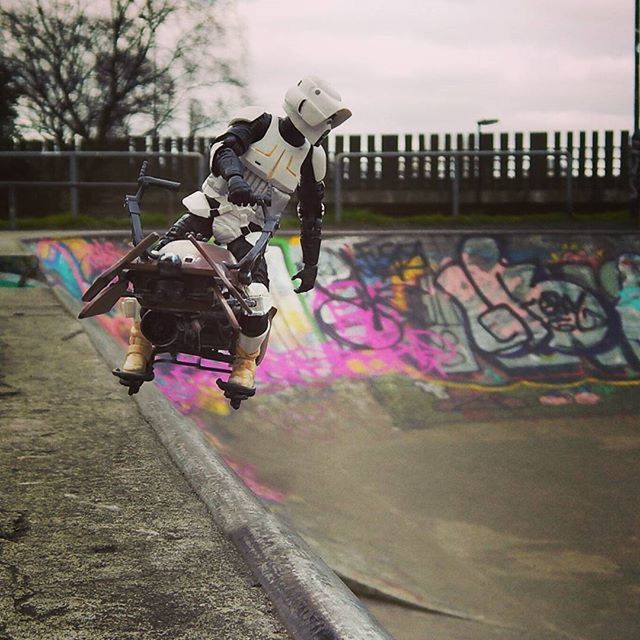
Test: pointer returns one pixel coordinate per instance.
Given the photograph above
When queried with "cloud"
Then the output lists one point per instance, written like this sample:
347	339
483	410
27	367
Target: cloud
408	66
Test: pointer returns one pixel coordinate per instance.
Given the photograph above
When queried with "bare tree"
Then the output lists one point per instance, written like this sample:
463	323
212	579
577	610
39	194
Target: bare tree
210	79
91	73
8	104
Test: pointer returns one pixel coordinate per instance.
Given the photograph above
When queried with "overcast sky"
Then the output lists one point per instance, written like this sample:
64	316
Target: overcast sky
414	66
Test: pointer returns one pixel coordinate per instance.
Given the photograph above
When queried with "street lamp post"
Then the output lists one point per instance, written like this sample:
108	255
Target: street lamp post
482	123
636	69
634	151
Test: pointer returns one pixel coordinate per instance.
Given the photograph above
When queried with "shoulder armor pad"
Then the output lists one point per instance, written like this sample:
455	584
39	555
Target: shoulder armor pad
319	163
248	114
197	204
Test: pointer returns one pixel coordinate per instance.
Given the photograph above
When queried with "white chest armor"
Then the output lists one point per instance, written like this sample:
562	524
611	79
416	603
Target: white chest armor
275	160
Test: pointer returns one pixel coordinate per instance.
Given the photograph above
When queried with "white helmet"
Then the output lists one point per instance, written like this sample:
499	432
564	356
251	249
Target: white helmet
315	108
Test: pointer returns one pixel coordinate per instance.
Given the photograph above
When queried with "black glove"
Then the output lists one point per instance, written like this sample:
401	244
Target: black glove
239	191
188	223
164	240
307	275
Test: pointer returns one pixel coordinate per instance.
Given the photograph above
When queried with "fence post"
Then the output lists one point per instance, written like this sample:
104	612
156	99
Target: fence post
337	177
455	195
504	160
538	178
73	178
595	193
557	172
569	184
582	156
608	158
12	209
390	166
355	176
202	169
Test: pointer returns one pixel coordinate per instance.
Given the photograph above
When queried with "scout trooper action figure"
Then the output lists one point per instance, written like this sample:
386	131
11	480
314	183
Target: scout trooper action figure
259	155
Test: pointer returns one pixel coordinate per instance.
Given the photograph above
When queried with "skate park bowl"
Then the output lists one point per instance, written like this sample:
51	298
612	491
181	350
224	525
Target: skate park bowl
449	419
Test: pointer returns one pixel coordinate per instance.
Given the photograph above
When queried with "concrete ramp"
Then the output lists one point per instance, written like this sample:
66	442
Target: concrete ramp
451	420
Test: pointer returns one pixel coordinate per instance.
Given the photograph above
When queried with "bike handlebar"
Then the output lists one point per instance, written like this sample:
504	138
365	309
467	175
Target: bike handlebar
133	203
149	181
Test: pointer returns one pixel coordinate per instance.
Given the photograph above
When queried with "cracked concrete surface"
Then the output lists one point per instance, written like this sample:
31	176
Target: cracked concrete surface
100	535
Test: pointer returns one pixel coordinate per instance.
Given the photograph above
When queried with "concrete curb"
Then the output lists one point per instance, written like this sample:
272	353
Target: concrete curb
313	603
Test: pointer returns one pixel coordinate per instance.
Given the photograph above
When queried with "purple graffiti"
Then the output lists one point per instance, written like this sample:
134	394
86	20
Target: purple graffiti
414	310
516	309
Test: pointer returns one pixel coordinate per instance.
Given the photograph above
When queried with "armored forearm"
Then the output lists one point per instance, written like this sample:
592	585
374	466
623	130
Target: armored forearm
310	212
227	148
225	158
226	163
310	239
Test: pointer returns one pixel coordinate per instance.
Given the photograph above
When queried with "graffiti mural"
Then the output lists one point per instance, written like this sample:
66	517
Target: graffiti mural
452	315
521	315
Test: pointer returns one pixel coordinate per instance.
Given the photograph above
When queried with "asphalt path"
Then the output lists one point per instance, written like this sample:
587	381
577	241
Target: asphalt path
101	537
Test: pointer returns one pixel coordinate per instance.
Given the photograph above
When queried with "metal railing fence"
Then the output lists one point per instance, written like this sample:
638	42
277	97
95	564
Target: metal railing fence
453	168
73	184
455	173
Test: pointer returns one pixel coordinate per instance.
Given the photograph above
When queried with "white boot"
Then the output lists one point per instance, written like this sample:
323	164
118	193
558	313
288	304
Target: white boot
138	353
244	362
